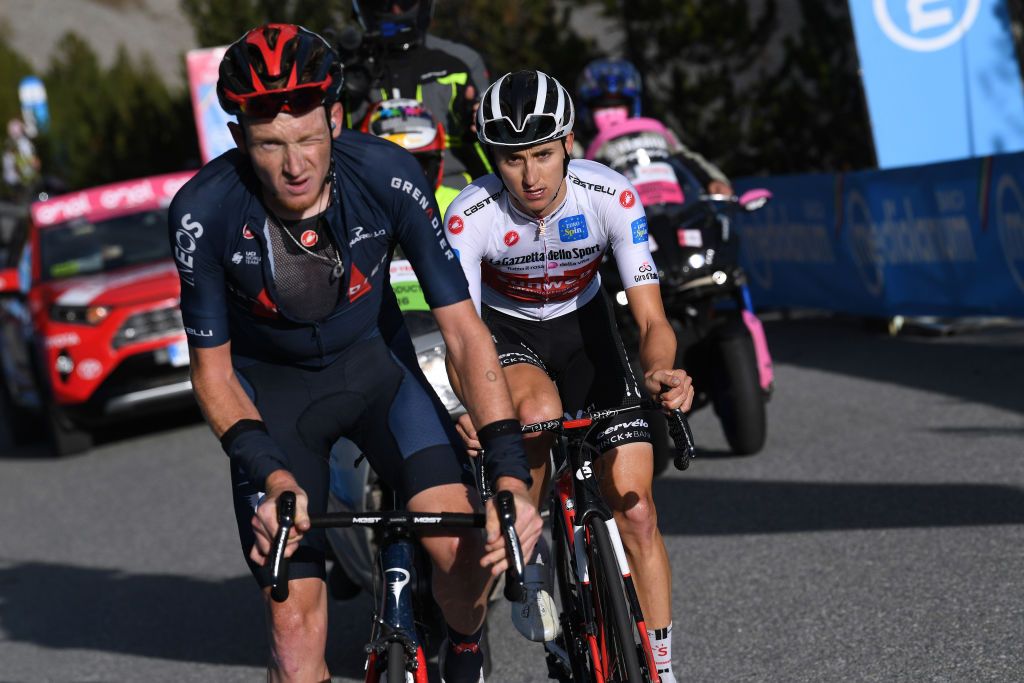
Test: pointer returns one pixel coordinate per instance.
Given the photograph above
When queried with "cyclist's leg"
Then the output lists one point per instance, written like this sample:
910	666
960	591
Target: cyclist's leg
297	628
409	440
600	375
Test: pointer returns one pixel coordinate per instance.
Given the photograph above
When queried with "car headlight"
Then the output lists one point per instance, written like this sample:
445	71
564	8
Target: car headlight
432	363
79	315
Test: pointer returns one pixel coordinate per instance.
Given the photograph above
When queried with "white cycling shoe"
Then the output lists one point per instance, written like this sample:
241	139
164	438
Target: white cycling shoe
536	617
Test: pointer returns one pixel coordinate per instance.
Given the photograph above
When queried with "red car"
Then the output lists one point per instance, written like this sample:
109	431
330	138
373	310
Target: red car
90	329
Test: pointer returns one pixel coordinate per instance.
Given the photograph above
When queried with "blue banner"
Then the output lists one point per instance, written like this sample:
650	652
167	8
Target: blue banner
945	240
941	79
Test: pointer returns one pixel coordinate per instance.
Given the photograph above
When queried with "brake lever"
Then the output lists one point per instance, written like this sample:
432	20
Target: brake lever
278	562
682	437
515	589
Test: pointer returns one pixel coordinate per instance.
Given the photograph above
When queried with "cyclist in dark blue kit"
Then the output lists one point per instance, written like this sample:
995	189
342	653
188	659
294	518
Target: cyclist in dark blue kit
282	247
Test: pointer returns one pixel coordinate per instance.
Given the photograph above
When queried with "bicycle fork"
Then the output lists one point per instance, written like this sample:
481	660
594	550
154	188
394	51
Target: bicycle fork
395	620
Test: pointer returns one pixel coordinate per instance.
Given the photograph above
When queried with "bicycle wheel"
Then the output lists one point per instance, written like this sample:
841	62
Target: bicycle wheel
396	663
616	624
573	621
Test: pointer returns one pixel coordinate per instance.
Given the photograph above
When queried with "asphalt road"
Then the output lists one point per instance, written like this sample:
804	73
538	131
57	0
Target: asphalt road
879	536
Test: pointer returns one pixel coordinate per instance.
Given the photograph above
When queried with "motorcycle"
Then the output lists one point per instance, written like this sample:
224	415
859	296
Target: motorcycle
720	341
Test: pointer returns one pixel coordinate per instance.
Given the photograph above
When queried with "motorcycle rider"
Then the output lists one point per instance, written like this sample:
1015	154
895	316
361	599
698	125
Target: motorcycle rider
407	123
610	91
295	337
398	58
530	239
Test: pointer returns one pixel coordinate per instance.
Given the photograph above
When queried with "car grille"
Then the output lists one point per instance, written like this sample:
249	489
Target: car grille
161	322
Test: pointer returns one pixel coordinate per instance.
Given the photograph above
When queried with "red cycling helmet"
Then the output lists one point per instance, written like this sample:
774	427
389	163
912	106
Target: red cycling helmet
278	67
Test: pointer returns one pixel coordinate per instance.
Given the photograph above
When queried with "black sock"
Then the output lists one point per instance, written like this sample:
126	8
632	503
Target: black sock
463	661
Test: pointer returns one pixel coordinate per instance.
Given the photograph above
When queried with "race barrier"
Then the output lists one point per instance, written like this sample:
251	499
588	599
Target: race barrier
939	240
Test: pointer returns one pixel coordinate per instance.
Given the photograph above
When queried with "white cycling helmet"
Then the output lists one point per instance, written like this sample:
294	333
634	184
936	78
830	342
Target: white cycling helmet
524	108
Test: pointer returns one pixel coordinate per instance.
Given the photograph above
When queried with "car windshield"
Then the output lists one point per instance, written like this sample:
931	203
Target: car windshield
81	247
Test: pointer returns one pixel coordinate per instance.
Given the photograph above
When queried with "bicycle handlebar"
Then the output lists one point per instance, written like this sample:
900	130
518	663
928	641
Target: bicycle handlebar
678	427
398	518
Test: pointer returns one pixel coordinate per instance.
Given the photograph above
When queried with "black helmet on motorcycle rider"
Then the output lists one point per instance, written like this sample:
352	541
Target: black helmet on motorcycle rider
275	68
396	23
407	123
610	91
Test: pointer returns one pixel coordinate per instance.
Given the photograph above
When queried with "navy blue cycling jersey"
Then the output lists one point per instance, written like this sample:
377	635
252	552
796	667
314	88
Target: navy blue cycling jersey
219	233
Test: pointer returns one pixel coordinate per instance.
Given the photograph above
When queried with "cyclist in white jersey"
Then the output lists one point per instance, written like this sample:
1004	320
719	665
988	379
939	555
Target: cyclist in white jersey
530	239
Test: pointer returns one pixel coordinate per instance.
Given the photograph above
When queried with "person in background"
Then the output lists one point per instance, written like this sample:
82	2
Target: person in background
396	57
609	91
407	123
21	166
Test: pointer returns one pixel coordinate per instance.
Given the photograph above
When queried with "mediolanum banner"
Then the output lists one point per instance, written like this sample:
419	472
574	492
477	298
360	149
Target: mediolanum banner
945	239
941	79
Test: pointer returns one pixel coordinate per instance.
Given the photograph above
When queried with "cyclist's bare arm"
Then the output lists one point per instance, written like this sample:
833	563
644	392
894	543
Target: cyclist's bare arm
224	402
473	360
658	348
217	389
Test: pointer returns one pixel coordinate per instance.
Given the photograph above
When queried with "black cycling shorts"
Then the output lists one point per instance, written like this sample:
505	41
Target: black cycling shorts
372	397
583	354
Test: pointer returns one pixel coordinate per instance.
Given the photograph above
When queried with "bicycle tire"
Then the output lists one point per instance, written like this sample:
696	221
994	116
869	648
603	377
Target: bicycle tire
619	626
568	594
396	663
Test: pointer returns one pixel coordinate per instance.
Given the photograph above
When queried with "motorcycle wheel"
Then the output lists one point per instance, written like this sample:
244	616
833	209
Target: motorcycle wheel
737	395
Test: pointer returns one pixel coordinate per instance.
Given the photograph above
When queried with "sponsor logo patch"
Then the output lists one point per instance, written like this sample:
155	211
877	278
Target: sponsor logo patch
247	233
639	227
455	225
309	238
627	199
511	237
573	228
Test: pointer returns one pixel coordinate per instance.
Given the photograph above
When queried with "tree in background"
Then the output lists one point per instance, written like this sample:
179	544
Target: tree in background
511	36
109	125
220	22
13	67
755	91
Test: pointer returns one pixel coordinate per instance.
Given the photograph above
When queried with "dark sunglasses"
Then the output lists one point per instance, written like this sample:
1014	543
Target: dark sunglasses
535	127
295	101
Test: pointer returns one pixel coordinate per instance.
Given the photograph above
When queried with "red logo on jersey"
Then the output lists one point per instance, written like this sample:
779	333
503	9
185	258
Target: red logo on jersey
455	225
511	237
247	233
309	238
627	199
358	285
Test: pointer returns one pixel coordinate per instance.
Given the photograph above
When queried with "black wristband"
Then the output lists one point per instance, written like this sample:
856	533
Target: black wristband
249	444
504	452
238	429
497	428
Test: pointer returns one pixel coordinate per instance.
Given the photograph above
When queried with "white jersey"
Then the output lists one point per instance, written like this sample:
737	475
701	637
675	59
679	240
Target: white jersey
542	268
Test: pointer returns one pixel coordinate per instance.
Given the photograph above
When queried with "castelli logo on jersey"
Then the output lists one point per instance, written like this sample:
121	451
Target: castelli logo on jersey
627	199
247	233
455	225
511	237
309	238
